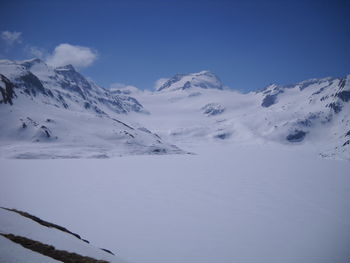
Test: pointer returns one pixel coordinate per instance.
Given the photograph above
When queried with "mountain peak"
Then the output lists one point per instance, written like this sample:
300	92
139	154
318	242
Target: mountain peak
31	62
68	67
204	72
203	79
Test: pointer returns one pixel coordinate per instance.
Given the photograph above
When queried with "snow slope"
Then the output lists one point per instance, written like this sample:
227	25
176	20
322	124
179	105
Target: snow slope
313	113
204	80
18	225
57	113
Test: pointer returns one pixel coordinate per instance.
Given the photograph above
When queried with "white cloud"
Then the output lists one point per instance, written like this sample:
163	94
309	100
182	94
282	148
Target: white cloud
123	87
11	37
78	56
159	83
36	52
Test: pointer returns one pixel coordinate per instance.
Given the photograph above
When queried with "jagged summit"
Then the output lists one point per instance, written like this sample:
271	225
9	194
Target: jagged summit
68	67
31	62
35	63
314	110
302	84
203	79
55	112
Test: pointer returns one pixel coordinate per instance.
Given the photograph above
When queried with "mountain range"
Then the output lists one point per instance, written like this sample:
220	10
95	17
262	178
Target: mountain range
58	113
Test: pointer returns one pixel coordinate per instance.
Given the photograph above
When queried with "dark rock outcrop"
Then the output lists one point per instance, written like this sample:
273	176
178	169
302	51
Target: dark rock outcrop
42	222
269	100
212	109
296	136
7	92
51	251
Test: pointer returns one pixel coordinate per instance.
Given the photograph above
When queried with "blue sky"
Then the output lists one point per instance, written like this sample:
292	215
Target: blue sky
248	44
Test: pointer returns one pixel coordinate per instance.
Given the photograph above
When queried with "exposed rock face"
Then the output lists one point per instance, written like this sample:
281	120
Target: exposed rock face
271	95
296	136
6	90
65	87
82	113
212	109
50	251
333	92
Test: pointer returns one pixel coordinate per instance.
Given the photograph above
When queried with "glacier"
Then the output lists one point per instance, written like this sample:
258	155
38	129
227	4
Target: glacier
191	172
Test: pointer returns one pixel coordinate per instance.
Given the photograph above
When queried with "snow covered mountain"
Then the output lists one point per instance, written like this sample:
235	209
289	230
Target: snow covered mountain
57	113
314	113
203	79
255	191
64	87
27	238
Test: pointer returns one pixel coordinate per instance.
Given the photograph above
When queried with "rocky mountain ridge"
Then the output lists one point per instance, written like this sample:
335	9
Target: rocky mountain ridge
61	106
58	113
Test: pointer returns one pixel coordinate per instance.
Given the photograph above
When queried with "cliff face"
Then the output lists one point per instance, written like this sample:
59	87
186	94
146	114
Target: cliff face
7	90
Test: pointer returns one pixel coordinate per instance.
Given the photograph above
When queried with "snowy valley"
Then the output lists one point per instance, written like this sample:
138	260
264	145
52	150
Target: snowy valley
195	107
57	113
191	172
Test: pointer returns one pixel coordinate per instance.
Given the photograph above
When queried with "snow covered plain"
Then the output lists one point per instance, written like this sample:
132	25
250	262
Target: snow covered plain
254	190
227	203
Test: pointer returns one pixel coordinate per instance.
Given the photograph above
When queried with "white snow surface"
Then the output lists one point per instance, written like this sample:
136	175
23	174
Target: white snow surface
243	203
57	113
196	116
188	109
13	223
247	193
